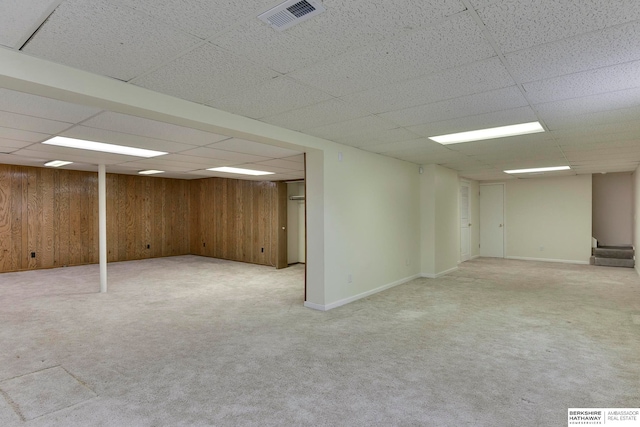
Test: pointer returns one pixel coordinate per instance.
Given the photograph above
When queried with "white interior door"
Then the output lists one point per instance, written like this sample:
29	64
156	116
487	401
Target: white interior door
465	223
492	220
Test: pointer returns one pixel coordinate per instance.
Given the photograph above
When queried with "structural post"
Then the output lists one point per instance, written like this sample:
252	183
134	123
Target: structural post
102	225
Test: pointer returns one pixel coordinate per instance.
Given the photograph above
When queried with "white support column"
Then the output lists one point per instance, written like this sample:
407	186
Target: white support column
102	224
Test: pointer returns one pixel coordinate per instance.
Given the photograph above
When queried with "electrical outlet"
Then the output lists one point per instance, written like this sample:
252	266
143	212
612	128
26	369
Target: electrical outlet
261	249
349	278
541	248
33	254
148	246
204	245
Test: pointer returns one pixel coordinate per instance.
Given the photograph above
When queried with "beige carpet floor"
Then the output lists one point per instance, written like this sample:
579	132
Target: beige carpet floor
191	341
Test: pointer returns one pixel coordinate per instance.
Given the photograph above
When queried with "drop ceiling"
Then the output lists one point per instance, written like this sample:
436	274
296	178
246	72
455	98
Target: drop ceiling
378	75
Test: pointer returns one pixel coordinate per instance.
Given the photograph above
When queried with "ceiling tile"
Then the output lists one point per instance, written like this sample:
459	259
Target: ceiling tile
18	19
202	18
129	43
190	76
160	164
590	104
11	145
363	126
214	174
581	53
47	108
479	121
423	144
520	24
33	124
344	26
526	163
194	160
323	113
265	168
485	175
524	144
485	102
271	97
298	158
455	42
608	79
232	157
111	137
152	129
383	136
22	135
478	4
622	116
466	80
243	146
283	164
50	152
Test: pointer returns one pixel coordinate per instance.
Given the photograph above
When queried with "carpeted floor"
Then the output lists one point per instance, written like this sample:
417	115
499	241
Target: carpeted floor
192	341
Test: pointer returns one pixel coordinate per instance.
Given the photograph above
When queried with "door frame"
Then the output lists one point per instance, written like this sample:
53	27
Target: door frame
504	214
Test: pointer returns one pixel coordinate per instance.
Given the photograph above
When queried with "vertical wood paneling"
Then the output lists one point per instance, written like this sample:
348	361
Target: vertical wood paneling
113	246
33	217
18	232
46	188
5	219
236	219
55	214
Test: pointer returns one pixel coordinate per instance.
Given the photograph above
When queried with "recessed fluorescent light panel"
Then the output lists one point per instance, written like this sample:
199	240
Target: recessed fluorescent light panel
491	133
534	170
240	171
57	163
150	172
62	141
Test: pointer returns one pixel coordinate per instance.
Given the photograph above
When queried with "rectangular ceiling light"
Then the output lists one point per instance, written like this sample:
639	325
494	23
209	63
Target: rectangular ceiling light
491	133
57	163
102	147
534	170
240	171
150	172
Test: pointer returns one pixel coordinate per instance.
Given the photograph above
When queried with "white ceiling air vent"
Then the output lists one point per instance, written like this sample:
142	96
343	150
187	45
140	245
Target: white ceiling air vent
291	12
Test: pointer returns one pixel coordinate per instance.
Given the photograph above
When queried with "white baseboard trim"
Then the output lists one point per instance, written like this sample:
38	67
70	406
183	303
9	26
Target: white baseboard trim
314	306
359	296
435	276
563	261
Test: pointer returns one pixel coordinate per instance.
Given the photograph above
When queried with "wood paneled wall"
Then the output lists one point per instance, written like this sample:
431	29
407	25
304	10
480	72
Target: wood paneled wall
54	213
146	217
236	220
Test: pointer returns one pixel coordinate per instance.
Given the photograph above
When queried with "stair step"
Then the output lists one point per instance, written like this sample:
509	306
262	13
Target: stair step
615	262
613	253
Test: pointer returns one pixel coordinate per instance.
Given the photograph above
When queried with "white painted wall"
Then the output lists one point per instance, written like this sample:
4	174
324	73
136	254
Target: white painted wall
371	218
439	220
636	209
612	208
549	213
447	220
474	199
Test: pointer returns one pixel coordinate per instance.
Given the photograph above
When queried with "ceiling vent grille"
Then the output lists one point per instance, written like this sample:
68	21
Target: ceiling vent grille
291	12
